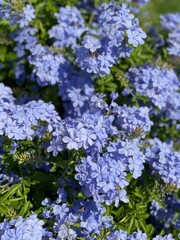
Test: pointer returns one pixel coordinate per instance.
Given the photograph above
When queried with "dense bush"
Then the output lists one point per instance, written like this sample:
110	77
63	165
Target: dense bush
89	121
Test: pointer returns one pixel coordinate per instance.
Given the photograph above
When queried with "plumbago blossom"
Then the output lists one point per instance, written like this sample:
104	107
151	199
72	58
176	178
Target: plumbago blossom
97	55
69	29
6	94
130	119
103	175
25	39
23	18
4	11
49	68
76	93
16	121
163	161
166	216
171	23
30	228
121	235
161	87
91	130
80	219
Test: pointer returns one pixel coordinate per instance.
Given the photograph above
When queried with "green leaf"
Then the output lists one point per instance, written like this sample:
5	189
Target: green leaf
130	204
17	199
12	190
122	226
19	192
3	209
131	224
143	98
26	191
119	212
131	211
25	209
138	194
150	230
137	223
142	215
142	223
126	218
141	208
26	181
54	168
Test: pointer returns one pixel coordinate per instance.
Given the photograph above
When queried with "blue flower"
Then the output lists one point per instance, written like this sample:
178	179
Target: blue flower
174	43
116	22
135	34
5	11
171	22
164	161
160	85
27	15
71	26
166	237
12	234
91	43
71	140
6	94
23	18
24	229
66	233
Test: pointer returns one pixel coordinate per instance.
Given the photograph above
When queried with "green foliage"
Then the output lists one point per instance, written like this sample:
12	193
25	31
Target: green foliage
140	55
13	201
26	196
106	84
134	215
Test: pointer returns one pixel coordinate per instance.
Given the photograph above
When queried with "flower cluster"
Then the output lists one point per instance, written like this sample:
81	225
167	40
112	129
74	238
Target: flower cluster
166	216
88	215
160	85
49	68
6	94
164	161
171	23
121	235
88	132
28	228
24	18
97	55
16	121
104	177
133	120
124	235
25	39
4	10
69	29
80	219
91	130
